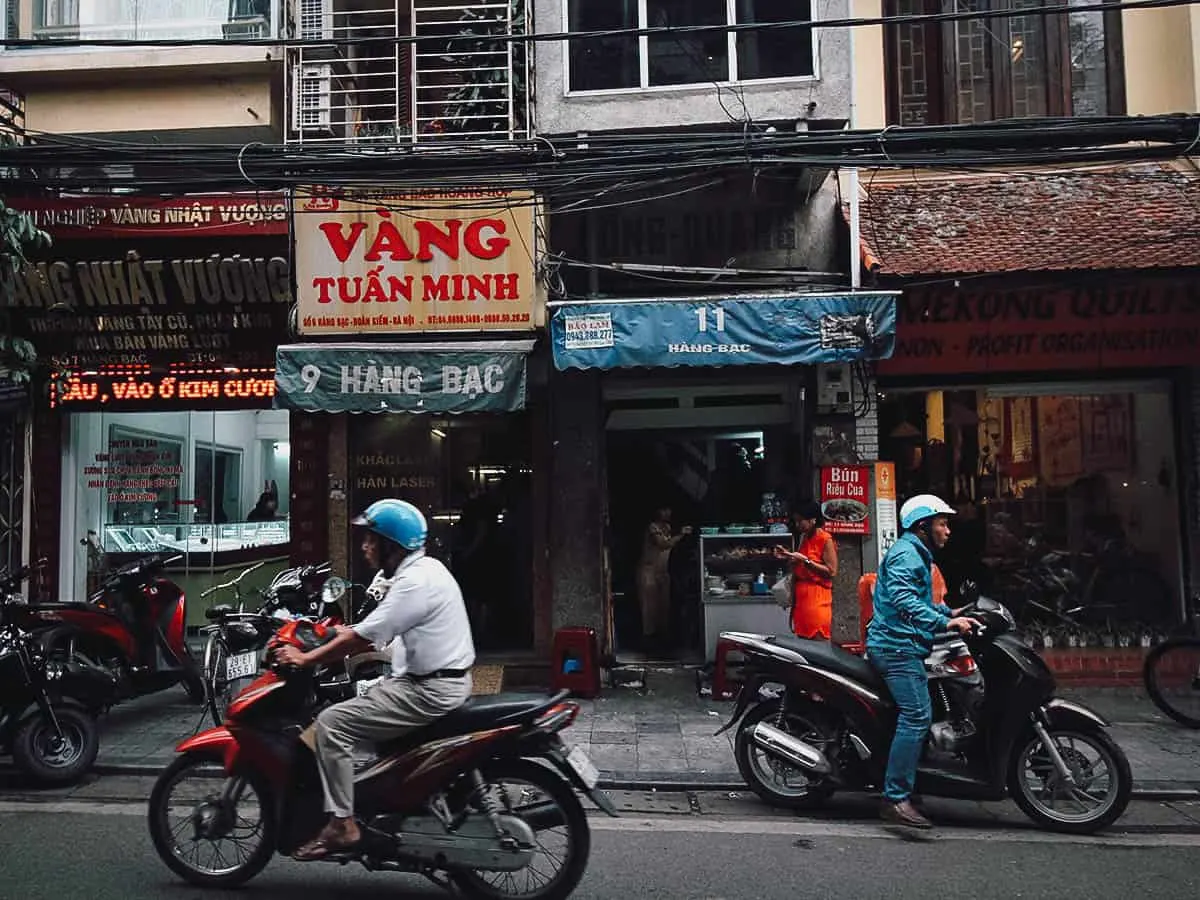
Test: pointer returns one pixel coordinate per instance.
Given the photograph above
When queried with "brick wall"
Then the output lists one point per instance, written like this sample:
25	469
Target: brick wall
866	427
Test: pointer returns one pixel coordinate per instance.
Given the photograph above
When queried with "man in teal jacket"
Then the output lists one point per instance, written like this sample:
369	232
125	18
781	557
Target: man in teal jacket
900	636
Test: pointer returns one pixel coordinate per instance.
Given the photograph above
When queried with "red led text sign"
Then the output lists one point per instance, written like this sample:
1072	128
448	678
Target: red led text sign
187	389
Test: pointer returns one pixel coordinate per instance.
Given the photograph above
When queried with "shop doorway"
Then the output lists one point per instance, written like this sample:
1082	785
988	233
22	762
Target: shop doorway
708	452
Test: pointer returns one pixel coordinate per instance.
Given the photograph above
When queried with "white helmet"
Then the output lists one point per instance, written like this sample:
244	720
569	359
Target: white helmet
923	506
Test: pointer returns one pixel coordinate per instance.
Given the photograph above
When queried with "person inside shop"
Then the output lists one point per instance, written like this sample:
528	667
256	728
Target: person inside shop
654	576
424	618
900	636
266	509
814	566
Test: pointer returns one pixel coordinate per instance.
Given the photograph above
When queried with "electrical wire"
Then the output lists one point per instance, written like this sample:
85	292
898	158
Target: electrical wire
619	167
627	32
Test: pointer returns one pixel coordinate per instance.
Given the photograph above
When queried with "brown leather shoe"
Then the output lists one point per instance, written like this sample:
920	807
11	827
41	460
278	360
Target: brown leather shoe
903	813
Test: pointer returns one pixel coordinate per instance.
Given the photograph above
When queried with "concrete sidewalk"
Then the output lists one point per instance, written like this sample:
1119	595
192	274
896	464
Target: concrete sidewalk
662	737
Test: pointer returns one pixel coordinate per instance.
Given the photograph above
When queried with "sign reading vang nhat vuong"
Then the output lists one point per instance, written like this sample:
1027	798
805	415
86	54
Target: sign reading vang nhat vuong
380	263
482	376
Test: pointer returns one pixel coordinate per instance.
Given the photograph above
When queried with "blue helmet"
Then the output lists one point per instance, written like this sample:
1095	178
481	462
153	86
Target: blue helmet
922	507
398	521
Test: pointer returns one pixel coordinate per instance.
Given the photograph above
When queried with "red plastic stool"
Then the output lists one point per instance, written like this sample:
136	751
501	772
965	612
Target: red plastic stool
575	665
723	687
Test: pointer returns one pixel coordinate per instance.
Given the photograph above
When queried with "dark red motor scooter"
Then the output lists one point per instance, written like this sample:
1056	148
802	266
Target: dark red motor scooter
133	628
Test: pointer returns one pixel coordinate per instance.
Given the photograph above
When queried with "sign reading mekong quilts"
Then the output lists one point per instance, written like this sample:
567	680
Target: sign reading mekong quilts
390	263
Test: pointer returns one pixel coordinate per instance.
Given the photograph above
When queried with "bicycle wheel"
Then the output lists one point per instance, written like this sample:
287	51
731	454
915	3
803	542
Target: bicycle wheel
218	690
1172	676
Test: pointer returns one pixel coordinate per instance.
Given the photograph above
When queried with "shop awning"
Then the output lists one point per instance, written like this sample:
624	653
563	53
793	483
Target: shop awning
769	329
444	377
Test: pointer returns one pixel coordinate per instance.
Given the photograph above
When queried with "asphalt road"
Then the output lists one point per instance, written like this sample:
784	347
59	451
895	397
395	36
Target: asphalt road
96	851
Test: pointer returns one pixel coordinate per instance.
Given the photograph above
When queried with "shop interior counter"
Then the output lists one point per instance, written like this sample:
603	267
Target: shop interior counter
196	538
738	570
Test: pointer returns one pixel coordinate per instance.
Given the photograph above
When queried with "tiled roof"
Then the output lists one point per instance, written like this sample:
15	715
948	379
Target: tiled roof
1140	217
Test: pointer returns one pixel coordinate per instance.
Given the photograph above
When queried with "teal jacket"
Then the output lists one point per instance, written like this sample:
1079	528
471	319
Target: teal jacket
904	619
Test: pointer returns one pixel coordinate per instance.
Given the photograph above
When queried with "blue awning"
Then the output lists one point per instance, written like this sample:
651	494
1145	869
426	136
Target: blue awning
768	329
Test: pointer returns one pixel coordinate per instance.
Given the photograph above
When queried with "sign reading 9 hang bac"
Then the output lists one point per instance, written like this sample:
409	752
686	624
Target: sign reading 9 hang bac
395	263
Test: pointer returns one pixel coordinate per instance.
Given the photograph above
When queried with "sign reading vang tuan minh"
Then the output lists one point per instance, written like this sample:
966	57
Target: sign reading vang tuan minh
397	263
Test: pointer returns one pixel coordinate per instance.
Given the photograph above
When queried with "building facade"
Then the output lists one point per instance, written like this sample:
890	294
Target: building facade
1043	370
551	367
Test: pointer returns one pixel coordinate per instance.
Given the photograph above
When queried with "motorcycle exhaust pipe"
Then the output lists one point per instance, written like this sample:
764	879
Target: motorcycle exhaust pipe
792	750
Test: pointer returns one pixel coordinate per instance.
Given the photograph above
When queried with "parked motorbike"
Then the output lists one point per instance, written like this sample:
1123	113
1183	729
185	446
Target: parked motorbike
133	627
300	592
437	802
237	636
998	729
45	718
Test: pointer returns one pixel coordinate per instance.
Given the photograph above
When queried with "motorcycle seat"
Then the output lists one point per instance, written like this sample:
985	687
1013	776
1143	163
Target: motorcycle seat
824	655
477	714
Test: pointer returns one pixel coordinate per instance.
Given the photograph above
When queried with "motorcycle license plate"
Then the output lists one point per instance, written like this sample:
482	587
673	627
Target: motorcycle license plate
361	687
589	774
241	666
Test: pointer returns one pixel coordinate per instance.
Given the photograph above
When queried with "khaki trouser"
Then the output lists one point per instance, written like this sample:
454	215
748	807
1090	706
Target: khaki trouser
387	710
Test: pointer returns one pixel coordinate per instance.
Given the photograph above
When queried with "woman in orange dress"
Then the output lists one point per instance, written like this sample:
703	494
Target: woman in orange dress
814	566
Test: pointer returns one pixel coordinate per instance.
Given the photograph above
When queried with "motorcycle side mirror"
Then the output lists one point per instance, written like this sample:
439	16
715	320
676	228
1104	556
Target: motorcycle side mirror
969	591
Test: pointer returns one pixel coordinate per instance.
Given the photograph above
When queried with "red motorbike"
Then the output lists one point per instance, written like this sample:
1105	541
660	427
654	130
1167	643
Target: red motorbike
133	628
482	800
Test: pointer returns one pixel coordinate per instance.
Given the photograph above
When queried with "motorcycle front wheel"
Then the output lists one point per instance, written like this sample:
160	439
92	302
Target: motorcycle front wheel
775	781
57	756
540	796
1103	780
1172	676
201	840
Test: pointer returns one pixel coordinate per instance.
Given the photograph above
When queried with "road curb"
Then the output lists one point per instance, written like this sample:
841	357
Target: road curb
628	781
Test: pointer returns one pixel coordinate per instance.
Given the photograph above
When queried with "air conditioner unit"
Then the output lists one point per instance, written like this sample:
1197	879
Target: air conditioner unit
312	97
99	179
316	20
245	29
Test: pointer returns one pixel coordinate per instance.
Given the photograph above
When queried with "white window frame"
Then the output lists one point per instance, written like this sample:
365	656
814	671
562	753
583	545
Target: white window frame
644	59
52	47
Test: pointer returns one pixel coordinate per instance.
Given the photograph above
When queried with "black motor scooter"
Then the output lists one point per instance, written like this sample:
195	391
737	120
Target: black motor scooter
998	731
46	721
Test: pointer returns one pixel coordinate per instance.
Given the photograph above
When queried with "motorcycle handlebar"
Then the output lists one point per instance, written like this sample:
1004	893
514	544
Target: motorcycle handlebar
234	582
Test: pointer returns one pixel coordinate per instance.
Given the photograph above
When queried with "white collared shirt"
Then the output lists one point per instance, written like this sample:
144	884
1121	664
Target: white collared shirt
378	590
424	618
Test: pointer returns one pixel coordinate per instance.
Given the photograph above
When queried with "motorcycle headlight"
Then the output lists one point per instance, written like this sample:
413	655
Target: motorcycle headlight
333	590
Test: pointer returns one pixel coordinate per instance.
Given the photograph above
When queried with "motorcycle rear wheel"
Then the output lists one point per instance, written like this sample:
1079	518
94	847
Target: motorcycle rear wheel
164	836
1026	760
556	790
751	761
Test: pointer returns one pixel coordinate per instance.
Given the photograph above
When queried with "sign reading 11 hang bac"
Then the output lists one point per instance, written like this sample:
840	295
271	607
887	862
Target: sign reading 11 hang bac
393	263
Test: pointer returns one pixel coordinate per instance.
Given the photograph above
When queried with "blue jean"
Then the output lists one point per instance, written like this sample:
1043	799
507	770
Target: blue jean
905	678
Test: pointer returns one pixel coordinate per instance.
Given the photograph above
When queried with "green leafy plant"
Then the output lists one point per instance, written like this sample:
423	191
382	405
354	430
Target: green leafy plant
18	234
487	93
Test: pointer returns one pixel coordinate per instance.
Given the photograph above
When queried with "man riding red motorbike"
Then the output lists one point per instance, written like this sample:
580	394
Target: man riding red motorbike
423	608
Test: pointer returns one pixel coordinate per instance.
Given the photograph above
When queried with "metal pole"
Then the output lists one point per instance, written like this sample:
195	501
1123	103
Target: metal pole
855	239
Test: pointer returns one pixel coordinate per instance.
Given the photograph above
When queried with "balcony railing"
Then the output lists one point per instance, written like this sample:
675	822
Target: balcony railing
454	77
142	20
